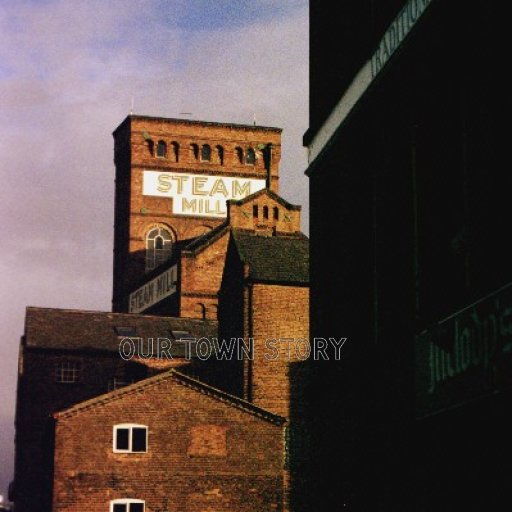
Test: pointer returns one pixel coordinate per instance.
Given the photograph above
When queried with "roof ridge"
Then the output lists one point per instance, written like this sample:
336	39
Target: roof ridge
271	193
131	315
198	385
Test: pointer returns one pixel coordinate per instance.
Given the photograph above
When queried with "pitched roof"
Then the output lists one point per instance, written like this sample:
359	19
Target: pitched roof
279	259
69	329
267	192
180	378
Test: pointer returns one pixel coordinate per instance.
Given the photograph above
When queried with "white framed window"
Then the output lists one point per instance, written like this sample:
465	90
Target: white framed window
130	438
127	505
158	247
68	372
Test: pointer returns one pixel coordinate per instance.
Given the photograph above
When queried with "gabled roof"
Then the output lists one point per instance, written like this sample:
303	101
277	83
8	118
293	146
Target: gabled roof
180	378
69	329
277	259
268	192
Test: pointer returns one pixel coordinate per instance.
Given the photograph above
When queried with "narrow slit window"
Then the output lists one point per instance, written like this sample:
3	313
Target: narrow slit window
206	153
240	154
251	157
161	149
255	211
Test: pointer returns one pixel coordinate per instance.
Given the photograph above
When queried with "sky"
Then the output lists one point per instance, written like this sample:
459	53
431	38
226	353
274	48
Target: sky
68	72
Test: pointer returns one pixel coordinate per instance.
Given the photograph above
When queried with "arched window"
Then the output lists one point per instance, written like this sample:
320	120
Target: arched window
194	151
158	247
201	309
220	154
151	146
240	154
251	157
265	212
276	213
206	153
161	149
176	151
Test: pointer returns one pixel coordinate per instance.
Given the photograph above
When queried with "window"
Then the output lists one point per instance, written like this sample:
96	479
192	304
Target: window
194	151
130	438
127	505
255	211
201	309
158	247
240	154
151	146
265	212
220	154
68	372
206	153
176	151
125	331
161	149
251	157
276	213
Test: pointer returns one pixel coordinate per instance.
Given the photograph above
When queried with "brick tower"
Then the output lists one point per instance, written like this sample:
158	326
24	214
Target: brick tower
173	177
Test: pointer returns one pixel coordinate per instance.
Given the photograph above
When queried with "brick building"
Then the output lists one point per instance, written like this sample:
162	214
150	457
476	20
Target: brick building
175	264
67	356
173	177
200	450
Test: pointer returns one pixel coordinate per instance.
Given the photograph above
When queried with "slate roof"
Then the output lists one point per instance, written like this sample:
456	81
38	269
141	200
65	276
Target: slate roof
182	379
278	259
70	329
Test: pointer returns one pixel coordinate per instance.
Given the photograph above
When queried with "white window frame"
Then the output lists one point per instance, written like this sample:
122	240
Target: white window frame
156	257
129	427
126	501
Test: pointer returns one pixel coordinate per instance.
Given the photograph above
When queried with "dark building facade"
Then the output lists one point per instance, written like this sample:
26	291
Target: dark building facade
406	127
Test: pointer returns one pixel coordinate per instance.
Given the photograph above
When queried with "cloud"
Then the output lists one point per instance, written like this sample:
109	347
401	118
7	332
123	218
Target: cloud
67	75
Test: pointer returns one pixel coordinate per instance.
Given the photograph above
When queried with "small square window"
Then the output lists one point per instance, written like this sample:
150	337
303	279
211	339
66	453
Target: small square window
126	332
68	372
130	438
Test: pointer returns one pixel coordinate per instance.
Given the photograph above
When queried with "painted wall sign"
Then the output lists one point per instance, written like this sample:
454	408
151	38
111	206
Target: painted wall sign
199	194
162	286
465	356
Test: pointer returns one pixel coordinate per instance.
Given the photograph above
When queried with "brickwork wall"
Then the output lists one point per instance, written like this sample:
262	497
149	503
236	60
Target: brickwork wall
202	455
39	395
137	214
201	276
275	219
278	313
